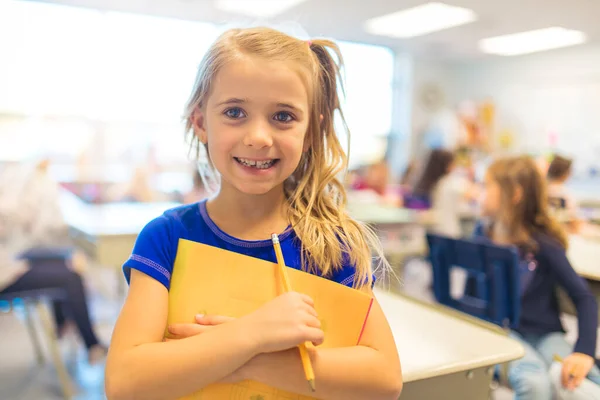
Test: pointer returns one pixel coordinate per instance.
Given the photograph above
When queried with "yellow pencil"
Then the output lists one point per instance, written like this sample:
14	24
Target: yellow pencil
306	364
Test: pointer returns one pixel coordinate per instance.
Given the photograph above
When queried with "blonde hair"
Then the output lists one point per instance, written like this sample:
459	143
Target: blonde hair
531	214
316	197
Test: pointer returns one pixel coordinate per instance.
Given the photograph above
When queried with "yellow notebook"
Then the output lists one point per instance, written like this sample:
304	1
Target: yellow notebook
212	281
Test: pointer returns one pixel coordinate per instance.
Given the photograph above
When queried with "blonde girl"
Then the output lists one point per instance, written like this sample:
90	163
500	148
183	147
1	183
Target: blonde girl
262	109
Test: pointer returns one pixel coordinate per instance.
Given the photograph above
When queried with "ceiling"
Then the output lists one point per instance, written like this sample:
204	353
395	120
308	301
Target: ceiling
343	19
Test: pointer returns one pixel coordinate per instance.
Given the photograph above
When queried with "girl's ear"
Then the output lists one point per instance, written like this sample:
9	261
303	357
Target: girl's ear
198	125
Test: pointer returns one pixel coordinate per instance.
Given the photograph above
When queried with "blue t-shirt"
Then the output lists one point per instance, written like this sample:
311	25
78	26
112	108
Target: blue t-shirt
156	246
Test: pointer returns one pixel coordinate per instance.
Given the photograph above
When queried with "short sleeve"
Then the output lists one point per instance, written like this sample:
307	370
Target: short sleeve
154	251
346	276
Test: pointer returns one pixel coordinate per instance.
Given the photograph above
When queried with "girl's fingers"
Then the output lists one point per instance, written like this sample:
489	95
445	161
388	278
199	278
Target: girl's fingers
314	335
181	331
212	319
310	310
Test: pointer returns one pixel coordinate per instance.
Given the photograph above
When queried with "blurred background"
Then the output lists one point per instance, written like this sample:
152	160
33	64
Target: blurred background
93	90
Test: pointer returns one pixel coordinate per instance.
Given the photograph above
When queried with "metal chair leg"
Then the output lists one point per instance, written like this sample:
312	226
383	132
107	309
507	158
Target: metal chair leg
30	324
63	376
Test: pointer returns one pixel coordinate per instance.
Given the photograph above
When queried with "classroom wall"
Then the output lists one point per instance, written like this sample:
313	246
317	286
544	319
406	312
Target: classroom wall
549	101
431	101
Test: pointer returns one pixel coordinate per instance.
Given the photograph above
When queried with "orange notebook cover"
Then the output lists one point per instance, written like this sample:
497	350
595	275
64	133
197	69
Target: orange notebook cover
212	281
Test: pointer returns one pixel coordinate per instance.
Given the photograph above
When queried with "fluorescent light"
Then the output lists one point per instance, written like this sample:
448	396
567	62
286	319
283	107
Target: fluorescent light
532	41
257	8
420	20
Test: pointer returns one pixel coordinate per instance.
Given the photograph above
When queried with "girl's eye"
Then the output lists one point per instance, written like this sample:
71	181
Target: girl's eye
283	116
234	113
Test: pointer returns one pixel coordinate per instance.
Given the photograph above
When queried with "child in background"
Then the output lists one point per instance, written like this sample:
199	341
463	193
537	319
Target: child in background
35	252
446	191
377	177
198	191
137	190
558	173
515	201
263	110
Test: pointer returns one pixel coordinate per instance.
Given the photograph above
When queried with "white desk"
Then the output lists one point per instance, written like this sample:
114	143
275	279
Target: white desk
107	232
375	214
445	354
584	255
401	231
380	215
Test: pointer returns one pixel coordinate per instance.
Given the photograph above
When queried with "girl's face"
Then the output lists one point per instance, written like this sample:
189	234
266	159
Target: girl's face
254	123
490	203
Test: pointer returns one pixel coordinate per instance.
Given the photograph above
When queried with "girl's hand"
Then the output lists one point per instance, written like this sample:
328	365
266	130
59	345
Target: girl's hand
203	323
285	322
574	370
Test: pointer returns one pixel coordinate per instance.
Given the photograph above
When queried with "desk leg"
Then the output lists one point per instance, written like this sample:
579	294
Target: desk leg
467	385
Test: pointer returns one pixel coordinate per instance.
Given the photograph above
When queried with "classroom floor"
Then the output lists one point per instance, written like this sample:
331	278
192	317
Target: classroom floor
22	379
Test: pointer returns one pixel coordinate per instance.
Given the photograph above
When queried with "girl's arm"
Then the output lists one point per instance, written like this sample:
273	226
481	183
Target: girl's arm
580	294
370	370
141	366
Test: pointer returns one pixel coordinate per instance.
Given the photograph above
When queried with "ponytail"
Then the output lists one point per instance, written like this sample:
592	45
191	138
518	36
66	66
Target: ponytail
317	197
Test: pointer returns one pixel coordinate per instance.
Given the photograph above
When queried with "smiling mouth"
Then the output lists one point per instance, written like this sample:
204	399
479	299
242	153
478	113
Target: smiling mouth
265	164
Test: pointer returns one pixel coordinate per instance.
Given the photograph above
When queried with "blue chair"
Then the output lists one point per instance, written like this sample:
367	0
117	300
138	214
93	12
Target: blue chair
492	291
34	304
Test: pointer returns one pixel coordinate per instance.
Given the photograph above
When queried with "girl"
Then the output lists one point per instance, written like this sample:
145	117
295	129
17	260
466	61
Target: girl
558	173
263	109
516	204
445	190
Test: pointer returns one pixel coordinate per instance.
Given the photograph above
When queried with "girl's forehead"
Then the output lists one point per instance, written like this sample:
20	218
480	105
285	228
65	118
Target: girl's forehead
255	78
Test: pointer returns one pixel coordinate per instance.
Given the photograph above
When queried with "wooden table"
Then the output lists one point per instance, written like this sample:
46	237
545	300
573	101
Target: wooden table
445	354
107	232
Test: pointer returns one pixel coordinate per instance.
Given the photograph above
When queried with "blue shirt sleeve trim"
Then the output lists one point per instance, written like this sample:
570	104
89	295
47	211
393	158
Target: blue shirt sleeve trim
159	268
147	267
349	281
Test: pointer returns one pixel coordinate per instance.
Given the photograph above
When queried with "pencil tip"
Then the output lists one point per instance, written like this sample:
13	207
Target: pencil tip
311	382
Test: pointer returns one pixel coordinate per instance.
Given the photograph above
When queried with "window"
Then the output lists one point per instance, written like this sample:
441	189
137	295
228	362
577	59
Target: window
368	103
126	77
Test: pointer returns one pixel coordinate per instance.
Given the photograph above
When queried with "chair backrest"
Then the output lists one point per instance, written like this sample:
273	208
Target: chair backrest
492	290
